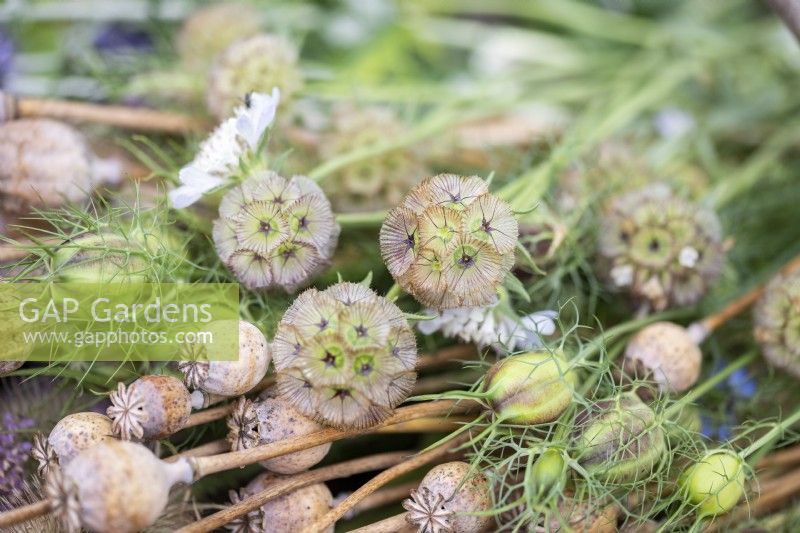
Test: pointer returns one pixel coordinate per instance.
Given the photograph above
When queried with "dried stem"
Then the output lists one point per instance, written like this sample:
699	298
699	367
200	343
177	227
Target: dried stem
209	448
393	524
381	498
284	485
785	457
383	478
209	415
23	514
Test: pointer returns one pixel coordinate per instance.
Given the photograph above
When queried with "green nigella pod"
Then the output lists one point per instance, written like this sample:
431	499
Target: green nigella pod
777	323
660	249
253	64
715	484
619	439
530	388
275	232
548	471
667	354
450	243
344	356
152	407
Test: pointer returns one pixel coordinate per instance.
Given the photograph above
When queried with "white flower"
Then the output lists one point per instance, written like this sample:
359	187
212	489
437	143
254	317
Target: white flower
688	257
220	154
495	325
622	275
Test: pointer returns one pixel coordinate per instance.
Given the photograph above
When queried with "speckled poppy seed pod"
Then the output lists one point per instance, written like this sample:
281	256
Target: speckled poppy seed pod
667	354
715	484
275	233
344	356
445	495
44	163
7	367
777	323
152	407
114	487
228	378
619	439
270	419
257	63
660	249
450	243
530	388
77	432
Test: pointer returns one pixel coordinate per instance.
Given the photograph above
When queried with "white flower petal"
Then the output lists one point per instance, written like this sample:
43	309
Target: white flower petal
253	119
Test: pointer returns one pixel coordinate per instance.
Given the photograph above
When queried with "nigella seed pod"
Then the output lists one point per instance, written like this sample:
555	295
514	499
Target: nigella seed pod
450	243
44	163
274	232
114	487
344	356
665	353
619	439
530	388
78	432
660	249
777	323
444	496
253	64
271	419
152	407
548	471
715	484
227	378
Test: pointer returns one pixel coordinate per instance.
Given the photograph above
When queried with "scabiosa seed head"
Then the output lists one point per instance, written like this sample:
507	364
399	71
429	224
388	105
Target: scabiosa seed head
77	432
444	496
619	439
274	232
450	243
665	353
152	407
715	484
777	323
660	249
271	419
257	63
375	183
345	356
530	388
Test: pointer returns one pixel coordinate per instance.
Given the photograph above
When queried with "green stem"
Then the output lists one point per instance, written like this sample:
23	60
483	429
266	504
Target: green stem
394	292
771	434
361	220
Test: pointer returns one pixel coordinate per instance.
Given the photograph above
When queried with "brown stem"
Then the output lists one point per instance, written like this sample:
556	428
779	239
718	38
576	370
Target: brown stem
204	466
22	514
284	485
210	448
785	457
789	11
427	425
446	355
381	498
383	478
199	418
393	524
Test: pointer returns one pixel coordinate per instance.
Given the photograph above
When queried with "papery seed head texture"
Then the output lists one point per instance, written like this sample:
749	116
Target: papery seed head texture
274	232
344	356
450	243
777	323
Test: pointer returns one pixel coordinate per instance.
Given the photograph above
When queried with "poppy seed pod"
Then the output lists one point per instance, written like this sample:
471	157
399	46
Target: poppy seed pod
7	367
116	486
152	407
77	432
293	512
450	243
274	232
667	354
530	388
619	439
715	484
577	516
253	64
271	419
445	495
344	356
777	323
44	163
228	378
660	249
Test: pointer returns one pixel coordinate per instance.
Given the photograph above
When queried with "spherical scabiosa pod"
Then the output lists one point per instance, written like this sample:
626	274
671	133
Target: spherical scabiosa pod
667	354
777	323
152	407
270	419
660	249
619	439
375	183
274	232
115	486
530	388
450	243
210	30
257	63
715	484
77	432
443	497
44	163
345	356
227	378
